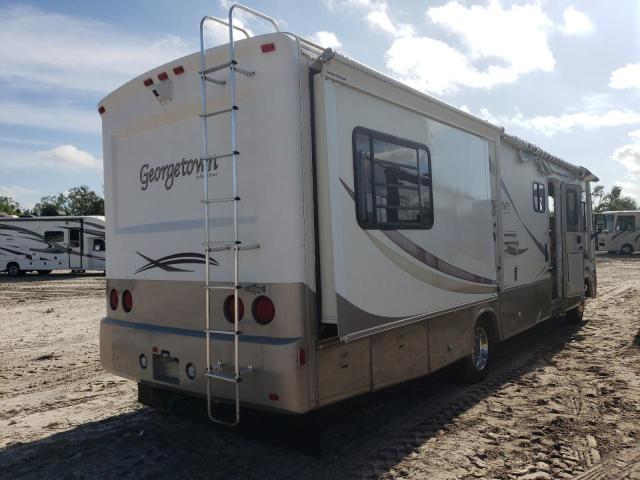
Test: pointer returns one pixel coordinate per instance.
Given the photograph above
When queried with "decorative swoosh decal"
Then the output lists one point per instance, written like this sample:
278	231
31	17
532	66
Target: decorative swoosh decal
533	238
427	258
166	263
16	252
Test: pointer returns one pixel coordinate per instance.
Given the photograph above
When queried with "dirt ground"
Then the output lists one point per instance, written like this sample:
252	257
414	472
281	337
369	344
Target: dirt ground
562	402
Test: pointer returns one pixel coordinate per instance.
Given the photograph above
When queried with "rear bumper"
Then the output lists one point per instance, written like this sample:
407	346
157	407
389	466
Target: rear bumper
276	373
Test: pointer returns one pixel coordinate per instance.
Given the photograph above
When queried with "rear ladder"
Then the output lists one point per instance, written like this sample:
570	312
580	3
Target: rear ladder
216	373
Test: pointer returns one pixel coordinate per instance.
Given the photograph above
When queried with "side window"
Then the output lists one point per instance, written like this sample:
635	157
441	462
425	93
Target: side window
538	197
393	182
74	238
573	212
54	236
99	245
626	223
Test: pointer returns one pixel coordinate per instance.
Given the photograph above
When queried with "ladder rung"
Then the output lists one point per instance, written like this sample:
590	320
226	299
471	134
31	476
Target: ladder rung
226	244
221	200
217	68
222	287
226	248
224	332
247	73
216	81
219	112
227	377
226	155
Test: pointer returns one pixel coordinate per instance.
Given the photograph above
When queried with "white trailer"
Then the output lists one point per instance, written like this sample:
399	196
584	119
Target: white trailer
43	244
289	228
619	231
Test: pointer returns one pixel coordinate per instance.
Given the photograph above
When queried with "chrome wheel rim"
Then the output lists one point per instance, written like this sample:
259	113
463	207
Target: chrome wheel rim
480	354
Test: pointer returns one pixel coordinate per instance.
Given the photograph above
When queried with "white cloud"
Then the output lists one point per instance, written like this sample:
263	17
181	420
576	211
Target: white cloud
14	191
26	197
500	45
376	14
62	158
68	157
326	39
576	22
551	125
71	52
629	156
53	116
626	77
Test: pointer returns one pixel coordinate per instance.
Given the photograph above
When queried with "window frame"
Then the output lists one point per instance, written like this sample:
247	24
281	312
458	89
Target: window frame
61	232
538	198
75	242
358	173
99	240
633	222
573	221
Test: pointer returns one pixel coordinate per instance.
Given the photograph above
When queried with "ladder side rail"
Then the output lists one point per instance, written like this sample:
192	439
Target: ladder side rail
234	149
205	153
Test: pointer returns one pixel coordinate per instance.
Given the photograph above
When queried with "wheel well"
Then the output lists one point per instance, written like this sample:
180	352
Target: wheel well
12	263
627	245
489	317
588	291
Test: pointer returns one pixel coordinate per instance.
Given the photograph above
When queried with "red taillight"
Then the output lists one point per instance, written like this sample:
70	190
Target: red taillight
127	301
113	299
274	397
263	310
148	82
302	356
268	47
101	110
178	70
229	309
163	76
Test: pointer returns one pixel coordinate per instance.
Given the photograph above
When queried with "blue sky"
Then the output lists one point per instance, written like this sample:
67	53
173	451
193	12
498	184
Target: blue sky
562	74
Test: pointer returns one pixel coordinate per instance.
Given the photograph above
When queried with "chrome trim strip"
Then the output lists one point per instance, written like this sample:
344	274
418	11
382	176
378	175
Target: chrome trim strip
275	341
530	284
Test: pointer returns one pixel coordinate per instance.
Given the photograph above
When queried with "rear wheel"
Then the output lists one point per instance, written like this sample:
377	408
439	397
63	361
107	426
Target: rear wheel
626	249
476	365
13	269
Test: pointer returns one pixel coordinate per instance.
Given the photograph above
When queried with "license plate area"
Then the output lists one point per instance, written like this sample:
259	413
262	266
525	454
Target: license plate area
166	368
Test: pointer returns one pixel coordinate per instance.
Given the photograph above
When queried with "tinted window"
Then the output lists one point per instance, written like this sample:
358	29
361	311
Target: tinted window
538	197
98	245
626	223
573	212
393	182
74	238
54	236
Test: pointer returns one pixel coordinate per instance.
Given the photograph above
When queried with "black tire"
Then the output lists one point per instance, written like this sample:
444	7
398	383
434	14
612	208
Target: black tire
13	269
44	272
626	249
575	315
477	365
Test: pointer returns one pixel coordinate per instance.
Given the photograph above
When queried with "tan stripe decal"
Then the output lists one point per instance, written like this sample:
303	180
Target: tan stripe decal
428	259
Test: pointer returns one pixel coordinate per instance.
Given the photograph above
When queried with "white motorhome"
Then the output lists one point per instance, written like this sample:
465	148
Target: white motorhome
619	231
43	244
288	228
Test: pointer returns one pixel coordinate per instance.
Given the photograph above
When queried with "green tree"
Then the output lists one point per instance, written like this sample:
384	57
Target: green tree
82	201
9	206
614	200
51	205
77	201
